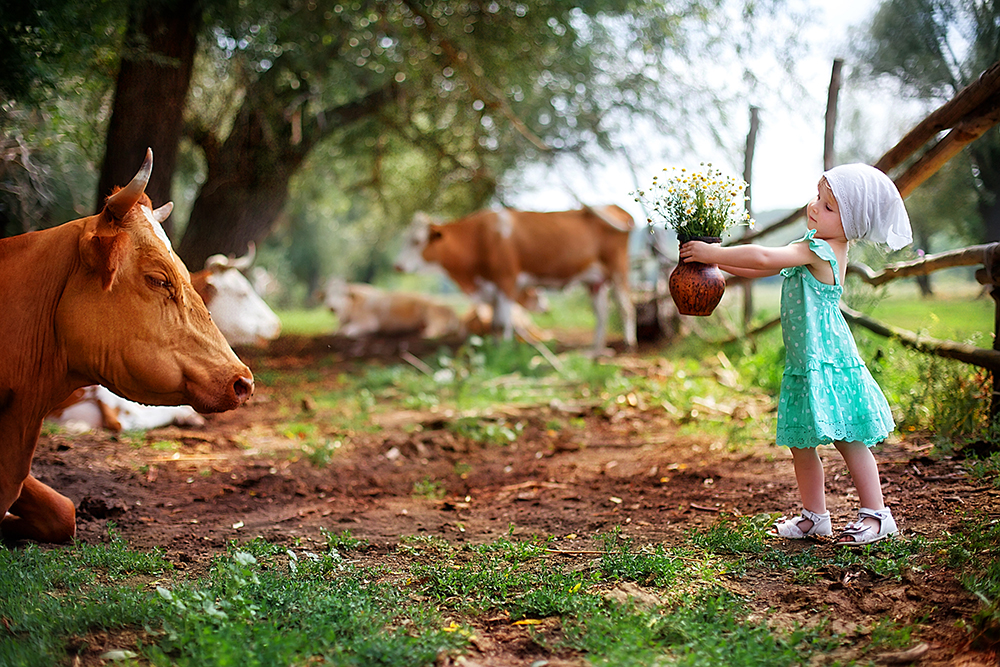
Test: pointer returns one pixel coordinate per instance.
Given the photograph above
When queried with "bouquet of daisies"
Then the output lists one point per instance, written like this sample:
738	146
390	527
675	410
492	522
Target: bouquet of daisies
702	202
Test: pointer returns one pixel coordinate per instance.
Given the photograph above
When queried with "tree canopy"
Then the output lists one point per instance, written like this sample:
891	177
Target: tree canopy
371	109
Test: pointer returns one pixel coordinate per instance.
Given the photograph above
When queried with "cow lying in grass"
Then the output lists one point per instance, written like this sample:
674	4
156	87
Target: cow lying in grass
99	300
364	310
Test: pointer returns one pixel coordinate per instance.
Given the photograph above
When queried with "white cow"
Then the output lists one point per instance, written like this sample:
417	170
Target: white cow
238	311
95	407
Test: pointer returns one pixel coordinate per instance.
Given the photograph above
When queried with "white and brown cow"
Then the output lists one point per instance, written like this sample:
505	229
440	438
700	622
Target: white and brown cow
496	254
94	407
362	309
238	311
99	300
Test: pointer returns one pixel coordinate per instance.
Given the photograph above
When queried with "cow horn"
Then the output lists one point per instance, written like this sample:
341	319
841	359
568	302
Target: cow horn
243	263
120	202
163	212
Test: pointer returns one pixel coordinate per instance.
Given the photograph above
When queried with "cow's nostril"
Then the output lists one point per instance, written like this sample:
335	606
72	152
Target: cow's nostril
243	388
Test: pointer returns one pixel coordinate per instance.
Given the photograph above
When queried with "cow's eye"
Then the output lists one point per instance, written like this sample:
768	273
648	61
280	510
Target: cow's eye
159	282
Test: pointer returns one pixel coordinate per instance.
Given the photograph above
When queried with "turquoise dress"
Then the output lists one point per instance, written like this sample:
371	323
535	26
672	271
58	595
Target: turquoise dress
827	393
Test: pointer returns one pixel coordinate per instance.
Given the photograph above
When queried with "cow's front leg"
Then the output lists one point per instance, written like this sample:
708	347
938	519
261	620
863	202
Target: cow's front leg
599	300
503	315
40	514
627	309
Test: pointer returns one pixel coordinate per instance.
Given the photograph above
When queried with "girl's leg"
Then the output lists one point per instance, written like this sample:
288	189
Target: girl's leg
864	471
812	483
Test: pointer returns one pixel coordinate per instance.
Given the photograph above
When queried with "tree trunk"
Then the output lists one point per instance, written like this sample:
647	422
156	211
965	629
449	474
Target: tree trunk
248	175
246	186
153	82
985	156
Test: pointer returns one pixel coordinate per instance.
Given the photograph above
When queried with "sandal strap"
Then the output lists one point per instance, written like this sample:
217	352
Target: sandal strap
881	515
815	517
858	528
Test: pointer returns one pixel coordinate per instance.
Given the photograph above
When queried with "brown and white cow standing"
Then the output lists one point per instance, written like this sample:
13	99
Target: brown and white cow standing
99	300
496	254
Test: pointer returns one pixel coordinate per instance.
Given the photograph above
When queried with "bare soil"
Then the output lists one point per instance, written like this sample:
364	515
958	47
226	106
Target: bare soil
240	477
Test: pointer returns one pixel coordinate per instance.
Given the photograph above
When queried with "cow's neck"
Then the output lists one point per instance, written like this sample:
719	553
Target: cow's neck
34	271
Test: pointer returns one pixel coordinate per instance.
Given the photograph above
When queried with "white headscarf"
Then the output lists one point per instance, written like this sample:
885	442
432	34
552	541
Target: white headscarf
870	205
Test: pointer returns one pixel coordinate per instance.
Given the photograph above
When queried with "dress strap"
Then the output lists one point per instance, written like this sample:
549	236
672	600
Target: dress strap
822	250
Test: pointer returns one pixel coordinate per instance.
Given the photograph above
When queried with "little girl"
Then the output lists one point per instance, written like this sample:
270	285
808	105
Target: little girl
827	393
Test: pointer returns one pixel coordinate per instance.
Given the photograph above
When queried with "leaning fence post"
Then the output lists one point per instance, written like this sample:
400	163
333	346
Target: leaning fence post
988	264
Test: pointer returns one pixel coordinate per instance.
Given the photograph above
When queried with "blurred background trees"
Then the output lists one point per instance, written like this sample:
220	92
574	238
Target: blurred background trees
317	128
932	49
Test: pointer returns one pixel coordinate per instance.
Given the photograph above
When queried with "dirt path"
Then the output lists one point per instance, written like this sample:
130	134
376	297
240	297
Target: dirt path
238	477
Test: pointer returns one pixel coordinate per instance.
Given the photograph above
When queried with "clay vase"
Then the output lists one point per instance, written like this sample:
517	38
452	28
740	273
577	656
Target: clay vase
697	288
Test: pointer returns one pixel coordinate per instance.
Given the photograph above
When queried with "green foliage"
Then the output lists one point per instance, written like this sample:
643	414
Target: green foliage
43	41
343	541
975	551
314	608
986	469
649	565
429	488
306	322
486	431
262	603
49	596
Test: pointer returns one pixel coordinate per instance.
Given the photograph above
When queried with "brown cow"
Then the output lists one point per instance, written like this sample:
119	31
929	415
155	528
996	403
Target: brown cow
495	255
99	300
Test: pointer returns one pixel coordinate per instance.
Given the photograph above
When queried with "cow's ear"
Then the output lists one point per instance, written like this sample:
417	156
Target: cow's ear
104	255
433	233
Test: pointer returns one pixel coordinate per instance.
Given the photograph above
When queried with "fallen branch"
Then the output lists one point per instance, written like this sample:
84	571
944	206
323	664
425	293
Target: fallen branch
969	354
703	508
414	361
542	350
593	552
971	256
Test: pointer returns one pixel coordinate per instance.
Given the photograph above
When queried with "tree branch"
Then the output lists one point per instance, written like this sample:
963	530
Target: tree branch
943	348
971	256
473	73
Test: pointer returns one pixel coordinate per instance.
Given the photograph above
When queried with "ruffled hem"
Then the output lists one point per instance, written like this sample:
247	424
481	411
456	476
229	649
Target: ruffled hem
807	438
832	404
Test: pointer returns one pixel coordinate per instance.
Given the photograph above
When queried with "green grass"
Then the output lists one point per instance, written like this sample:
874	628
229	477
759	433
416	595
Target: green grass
307	321
264	604
960	317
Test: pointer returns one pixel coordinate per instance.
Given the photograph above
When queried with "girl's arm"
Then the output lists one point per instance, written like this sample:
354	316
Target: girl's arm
759	260
749	273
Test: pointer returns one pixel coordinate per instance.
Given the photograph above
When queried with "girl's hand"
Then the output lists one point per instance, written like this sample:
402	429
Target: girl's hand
696	251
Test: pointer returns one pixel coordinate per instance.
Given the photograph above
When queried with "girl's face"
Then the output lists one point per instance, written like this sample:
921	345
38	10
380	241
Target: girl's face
824	214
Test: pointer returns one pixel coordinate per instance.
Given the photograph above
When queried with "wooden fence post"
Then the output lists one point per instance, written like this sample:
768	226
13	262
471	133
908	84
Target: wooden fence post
748	178
988	275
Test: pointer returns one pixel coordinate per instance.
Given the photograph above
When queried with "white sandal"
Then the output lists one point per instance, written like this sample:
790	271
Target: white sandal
861	533
789	528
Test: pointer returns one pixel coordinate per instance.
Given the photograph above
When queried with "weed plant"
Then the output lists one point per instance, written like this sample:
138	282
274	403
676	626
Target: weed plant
974	550
986	469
